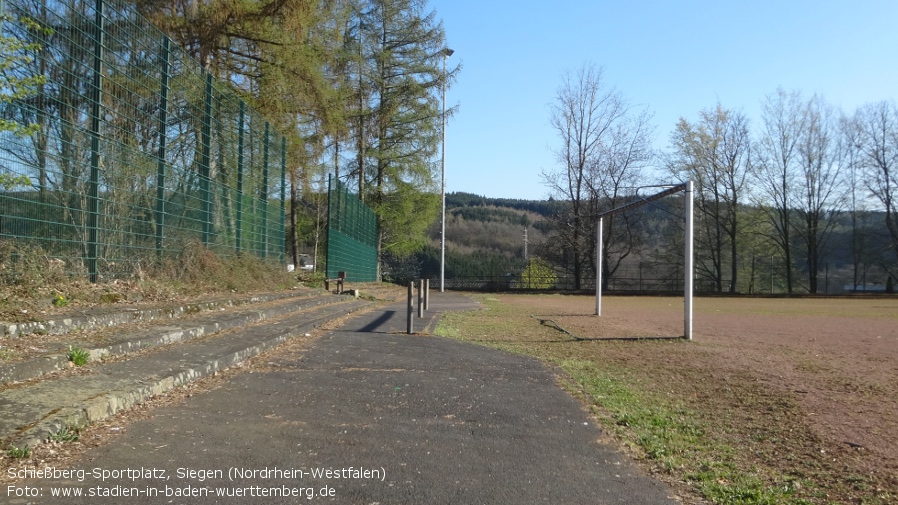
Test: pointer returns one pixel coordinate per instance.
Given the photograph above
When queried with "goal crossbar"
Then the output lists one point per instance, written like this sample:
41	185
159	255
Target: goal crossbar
688	249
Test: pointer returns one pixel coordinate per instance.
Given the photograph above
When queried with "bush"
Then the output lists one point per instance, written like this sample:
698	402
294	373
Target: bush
538	275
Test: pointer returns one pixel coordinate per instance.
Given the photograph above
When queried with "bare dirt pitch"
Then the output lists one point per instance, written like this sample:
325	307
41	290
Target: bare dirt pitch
808	386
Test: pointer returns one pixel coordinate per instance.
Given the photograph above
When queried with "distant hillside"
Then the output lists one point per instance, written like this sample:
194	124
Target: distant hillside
486	240
485	236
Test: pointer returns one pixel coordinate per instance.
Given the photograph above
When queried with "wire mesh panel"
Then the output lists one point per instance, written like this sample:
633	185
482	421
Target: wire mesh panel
351	235
117	148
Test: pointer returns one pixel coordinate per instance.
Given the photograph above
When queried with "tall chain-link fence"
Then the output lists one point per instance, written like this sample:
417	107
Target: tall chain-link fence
117	148
351	235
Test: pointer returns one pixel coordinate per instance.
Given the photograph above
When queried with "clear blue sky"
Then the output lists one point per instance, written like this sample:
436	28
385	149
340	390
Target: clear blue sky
675	57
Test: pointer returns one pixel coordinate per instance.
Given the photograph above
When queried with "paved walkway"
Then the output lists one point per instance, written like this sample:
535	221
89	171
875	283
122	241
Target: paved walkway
388	418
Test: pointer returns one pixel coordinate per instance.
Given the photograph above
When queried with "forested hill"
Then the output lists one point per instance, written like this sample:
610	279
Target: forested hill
543	208
486	236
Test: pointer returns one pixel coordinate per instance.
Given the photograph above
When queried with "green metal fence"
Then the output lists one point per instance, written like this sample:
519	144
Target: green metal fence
117	148
351	235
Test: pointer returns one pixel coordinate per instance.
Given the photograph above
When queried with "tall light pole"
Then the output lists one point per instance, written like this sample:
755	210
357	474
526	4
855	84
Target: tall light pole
446	54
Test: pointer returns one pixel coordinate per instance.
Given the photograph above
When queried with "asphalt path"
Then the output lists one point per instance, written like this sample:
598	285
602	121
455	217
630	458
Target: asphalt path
367	415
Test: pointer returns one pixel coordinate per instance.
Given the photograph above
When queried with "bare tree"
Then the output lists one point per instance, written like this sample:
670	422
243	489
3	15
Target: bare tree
617	170
877	125
852	158
603	146
784	121
821	196
583	112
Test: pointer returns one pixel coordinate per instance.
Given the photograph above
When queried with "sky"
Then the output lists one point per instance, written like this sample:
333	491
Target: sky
673	57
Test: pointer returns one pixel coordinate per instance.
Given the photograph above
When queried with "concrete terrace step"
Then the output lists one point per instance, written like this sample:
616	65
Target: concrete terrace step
188	327
98	317
30	412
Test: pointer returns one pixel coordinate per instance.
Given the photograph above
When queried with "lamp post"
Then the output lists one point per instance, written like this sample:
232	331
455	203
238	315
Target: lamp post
446	52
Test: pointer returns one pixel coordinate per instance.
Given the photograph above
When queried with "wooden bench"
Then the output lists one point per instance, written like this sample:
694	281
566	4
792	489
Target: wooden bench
341	277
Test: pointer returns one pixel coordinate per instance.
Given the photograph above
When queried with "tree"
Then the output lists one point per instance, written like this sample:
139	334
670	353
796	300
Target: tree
623	156
274	52
784	121
877	126
820	157
604	145
20	83
399	137
16	86
857	203
538	274
715	153
757	248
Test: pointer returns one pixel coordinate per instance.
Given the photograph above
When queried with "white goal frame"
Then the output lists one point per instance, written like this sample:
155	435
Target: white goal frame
688	267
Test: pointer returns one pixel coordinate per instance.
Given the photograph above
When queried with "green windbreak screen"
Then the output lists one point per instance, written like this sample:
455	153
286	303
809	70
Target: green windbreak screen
351	236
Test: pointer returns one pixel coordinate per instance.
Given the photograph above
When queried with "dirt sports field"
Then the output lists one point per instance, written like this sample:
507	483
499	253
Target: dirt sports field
800	393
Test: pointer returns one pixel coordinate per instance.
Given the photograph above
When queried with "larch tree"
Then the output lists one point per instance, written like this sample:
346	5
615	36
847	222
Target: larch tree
402	119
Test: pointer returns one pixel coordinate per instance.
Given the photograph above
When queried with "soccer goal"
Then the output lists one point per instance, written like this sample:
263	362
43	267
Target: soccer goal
688	268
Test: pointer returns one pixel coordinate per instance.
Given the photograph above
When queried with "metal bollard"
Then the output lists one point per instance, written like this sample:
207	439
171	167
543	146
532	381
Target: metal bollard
420	298
409	316
426	294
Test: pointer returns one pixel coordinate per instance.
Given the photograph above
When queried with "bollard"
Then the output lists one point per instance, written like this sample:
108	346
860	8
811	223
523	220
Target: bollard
426	294
411	287
420	298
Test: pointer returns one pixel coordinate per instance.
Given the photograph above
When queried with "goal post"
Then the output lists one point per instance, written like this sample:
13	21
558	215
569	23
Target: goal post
688	265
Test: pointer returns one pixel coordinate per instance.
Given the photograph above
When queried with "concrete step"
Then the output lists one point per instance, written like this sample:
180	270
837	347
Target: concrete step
103	343
116	314
31	411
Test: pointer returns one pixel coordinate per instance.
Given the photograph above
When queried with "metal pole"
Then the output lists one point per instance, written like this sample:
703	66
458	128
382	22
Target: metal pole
420	298
689	274
327	254
240	129
263	194
93	187
409	319
599	268
205	161
426	294
446	54
164	58
283	196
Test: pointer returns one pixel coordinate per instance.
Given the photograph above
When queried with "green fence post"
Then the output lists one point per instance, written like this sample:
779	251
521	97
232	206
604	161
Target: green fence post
283	197
163	123
93	197
263	195
240	127
206	136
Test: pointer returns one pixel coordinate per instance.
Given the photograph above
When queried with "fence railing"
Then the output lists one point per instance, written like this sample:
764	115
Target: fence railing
117	148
